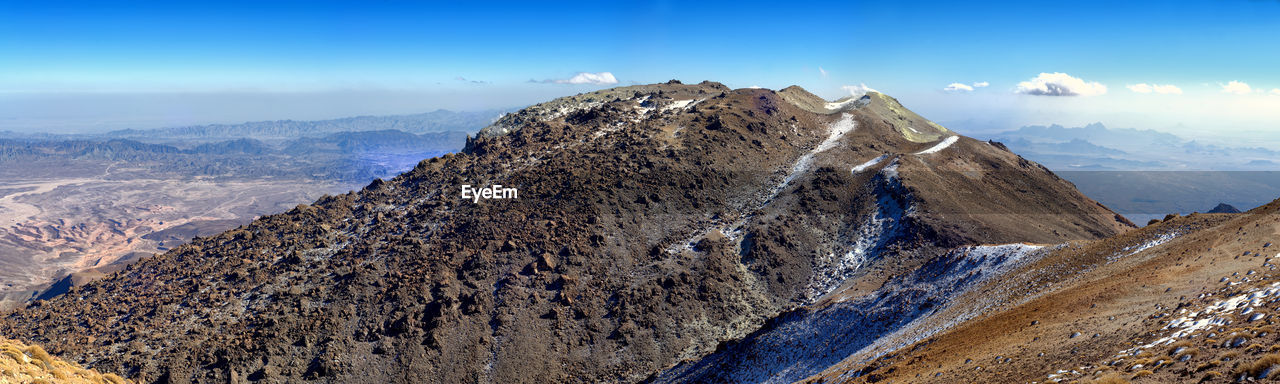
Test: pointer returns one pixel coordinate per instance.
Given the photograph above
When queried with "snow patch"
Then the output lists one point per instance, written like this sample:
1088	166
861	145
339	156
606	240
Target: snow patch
881	228
841	104
870	235
837	130
567	109
1134	249
643	107
1010	252
678	104
961	269
940	146
733	230
806	341
891	171
869	163
1196	321
845	125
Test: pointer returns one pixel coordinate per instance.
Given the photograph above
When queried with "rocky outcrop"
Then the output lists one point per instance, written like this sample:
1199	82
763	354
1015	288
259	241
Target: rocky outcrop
1224	208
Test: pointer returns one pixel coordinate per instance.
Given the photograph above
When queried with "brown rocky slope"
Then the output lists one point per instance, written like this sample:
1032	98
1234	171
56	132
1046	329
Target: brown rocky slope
1189	299
653	225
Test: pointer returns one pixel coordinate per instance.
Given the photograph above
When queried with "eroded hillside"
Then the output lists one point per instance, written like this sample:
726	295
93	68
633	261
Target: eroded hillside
1185	300
656	227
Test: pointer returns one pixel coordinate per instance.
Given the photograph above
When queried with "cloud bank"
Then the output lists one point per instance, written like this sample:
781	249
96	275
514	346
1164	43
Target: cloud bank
1167	89
858	90
962	87
598	78
1236	87
1060	84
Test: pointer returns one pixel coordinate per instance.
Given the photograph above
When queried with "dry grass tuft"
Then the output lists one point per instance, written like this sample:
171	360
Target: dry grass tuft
1187	354
1173	348
114	379
1207	365
39	354
1111	378
1260	367
32	364
1139	363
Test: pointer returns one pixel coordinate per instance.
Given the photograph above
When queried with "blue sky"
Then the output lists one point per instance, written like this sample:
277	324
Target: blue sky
69	65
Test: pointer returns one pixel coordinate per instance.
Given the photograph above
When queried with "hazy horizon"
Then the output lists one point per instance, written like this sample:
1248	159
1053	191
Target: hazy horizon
92	67
97	113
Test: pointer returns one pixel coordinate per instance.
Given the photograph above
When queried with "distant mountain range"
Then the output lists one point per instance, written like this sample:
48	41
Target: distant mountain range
70	202
346	156
352	149
283	130
437	121
1097	147
1147	174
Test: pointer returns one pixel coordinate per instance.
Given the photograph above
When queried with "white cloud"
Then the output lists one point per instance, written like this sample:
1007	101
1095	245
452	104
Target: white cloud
1167	89
1275	91
1139	88
755	87
1236	87
858	90
587	78
1060	84
980	84
957	87
823	72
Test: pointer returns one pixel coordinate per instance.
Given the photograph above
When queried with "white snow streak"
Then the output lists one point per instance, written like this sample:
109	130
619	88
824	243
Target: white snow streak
845	125
941	146
827	278
838	129
1134	249
870	163
885	223
733	230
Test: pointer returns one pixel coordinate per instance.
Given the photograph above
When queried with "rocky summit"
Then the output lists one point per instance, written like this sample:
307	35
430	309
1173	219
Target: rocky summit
1224	208
668	232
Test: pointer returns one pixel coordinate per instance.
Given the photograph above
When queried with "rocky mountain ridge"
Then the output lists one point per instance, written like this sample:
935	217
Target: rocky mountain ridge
655	225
